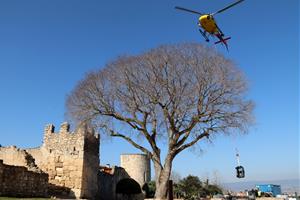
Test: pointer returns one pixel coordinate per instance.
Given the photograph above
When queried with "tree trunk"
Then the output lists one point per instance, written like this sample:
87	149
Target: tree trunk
162	175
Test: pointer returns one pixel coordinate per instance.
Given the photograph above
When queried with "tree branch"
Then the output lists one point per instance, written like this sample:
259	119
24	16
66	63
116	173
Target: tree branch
199	137
143	149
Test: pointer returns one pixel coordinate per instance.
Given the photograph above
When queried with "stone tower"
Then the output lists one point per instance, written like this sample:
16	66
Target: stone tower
137	166
71	159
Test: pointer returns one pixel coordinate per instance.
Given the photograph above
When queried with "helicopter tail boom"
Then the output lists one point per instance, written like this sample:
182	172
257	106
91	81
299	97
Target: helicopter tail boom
223	40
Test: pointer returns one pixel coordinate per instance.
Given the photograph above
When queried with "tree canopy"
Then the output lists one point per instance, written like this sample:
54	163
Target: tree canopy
192	188
181	93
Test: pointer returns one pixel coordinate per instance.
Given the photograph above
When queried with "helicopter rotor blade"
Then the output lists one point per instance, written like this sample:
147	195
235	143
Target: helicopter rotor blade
227	7
188	10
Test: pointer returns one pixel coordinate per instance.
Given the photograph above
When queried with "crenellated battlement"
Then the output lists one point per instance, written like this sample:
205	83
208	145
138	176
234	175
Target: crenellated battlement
67	142
49	128
65	129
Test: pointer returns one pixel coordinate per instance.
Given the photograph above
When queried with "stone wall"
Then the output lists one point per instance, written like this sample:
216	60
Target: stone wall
71	159
63	160
18	181
13	156
70	162
36	153
91	164
17	157
137	166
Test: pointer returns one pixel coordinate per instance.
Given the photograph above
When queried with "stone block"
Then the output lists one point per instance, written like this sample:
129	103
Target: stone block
69	183
59	165
77	183
59	171
57	179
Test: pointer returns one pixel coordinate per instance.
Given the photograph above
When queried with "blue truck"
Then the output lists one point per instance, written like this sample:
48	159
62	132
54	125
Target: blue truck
270	189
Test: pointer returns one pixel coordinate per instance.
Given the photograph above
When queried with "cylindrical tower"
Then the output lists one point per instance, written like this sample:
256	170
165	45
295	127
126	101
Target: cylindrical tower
137	166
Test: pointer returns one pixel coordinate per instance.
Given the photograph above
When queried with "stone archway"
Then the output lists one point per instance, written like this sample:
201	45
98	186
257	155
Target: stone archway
128	188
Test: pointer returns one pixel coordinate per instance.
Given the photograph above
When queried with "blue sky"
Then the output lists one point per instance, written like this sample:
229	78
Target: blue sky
46	47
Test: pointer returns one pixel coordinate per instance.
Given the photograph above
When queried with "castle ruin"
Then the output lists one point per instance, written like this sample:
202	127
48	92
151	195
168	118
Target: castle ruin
69	162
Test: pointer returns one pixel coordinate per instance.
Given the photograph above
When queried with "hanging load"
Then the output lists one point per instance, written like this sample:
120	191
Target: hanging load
240	171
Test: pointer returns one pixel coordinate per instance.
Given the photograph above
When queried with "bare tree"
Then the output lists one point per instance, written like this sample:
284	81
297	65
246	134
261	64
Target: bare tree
181	93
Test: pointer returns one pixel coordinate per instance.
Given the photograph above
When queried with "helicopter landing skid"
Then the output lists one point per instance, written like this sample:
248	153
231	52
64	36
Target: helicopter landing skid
204	35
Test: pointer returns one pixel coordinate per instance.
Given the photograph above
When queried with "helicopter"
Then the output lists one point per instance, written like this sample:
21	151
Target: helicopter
209	24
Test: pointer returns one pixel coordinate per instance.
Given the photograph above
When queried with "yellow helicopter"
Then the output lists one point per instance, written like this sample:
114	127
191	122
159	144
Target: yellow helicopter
209	25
